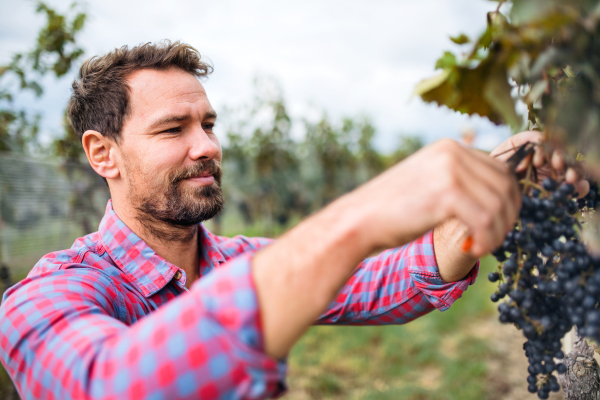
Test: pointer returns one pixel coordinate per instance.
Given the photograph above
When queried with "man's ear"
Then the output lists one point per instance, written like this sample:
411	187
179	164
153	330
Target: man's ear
101	153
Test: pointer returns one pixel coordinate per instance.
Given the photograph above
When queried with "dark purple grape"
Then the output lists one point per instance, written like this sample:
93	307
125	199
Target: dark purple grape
493	276
551	280
549	184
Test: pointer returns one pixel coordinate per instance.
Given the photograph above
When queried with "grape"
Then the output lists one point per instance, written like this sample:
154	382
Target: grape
548	280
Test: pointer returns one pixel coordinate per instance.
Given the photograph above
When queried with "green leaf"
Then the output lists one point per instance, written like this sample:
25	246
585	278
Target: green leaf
36	88
78	22
460	39
448	60
483	90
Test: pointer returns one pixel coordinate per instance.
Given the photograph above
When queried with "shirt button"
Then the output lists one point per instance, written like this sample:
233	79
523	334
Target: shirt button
178	275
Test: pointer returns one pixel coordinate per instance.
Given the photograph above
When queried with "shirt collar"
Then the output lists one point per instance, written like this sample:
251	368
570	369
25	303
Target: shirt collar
146	269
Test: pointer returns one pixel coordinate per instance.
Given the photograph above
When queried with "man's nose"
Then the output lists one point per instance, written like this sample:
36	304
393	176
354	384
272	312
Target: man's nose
203	146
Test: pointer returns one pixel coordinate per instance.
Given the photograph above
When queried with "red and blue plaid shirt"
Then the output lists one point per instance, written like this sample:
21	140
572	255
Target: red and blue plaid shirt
110	319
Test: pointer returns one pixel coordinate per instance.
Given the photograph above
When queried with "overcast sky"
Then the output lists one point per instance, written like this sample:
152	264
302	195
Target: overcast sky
349	58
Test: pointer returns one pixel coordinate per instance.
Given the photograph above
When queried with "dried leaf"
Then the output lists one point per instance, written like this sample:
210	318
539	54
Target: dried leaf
429	84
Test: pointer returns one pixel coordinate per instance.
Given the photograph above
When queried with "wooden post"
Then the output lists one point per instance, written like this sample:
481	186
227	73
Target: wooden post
582	379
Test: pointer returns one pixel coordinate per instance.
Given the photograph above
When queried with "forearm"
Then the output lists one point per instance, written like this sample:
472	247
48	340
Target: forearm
298	277
453	263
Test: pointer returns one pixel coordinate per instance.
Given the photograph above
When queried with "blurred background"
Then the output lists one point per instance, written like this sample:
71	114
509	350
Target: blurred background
314	98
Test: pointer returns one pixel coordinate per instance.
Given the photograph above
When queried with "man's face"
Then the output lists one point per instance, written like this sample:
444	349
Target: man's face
170	157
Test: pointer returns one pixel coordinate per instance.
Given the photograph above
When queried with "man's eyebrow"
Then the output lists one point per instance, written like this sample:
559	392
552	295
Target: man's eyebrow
167	119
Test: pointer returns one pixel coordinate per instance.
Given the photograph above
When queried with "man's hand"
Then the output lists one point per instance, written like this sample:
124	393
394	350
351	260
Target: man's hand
442	181
543	162
298	276
453	263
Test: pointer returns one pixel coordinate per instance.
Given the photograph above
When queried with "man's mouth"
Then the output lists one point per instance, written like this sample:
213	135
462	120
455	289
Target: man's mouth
204	179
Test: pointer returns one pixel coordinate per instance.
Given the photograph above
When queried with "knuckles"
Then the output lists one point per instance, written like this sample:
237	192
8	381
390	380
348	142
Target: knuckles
486	220
495	206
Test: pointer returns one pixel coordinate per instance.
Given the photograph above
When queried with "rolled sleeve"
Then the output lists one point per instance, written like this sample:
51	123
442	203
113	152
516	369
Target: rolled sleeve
396	287
425	274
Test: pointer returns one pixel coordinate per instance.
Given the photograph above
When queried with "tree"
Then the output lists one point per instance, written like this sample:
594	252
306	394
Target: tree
264	177
271	177
55	52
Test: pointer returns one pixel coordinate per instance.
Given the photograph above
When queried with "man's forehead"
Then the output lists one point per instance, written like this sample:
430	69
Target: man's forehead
163	83
153	90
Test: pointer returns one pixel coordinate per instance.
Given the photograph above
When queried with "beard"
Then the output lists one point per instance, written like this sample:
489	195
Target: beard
177	206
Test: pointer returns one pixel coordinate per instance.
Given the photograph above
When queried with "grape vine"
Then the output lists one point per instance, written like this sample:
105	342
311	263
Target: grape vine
548	278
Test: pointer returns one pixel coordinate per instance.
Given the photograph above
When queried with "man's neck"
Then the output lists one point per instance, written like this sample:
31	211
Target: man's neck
177	245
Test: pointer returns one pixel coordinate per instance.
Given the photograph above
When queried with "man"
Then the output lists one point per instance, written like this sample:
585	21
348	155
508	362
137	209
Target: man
118	316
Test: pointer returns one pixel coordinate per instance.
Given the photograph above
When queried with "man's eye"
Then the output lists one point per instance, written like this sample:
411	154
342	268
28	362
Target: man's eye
173	130
208	127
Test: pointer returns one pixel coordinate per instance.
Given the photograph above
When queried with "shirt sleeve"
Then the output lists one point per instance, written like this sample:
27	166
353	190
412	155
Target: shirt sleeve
62	337
396	287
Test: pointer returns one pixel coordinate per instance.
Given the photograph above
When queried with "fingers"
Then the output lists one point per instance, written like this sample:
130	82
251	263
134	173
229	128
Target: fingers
582	186
547	165
495	184
503	181
491	194
538	159
558	161
471	214
506	149
515	141
486	228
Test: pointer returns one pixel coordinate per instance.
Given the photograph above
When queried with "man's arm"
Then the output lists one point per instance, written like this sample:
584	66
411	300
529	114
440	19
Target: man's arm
64	336
300	275
396	287
453	263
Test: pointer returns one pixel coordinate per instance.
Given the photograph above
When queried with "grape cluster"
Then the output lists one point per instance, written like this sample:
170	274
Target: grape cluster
548	278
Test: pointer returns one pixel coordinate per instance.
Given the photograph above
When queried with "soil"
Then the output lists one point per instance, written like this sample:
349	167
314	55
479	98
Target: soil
508	369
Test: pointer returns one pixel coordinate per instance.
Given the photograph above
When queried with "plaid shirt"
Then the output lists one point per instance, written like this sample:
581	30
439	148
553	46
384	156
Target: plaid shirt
110	319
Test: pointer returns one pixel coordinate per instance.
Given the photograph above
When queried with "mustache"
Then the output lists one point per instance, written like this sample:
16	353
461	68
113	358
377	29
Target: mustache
211	166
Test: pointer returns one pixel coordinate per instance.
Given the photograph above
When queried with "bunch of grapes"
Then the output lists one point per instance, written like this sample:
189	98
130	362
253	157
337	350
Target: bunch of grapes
548	279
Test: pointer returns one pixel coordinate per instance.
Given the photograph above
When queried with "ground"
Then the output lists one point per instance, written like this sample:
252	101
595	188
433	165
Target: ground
463	353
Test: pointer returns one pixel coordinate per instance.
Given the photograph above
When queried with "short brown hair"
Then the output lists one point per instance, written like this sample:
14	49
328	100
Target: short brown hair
100	98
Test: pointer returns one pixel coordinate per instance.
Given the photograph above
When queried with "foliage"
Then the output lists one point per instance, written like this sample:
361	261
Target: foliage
271	177
55	51
544	53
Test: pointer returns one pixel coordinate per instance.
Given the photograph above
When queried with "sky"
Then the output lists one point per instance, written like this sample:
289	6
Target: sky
348	58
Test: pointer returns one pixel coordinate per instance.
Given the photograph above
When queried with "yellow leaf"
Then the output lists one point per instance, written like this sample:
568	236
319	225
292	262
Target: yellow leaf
429	84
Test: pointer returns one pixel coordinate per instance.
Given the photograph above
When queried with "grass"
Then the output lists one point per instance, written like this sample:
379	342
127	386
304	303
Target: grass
435	357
